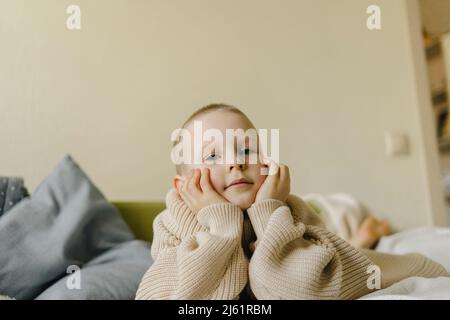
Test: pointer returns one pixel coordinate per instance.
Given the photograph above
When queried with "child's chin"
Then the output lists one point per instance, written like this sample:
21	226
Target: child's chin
244	202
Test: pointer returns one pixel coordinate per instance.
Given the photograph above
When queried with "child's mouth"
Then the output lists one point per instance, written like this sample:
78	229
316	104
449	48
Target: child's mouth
238	183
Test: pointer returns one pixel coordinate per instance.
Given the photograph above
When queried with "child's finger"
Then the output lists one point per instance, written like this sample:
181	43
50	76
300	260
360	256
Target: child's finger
197	177
284	173
194	182
204	180
187	180
273	168
182	192
264	171
266	161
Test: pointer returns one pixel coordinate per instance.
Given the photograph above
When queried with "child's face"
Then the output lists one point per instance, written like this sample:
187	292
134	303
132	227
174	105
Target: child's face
224	176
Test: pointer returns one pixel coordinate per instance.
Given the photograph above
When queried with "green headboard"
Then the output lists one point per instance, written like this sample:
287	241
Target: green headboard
139	216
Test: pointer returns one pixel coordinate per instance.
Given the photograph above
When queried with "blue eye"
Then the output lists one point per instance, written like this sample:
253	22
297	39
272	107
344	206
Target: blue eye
212	157
246	151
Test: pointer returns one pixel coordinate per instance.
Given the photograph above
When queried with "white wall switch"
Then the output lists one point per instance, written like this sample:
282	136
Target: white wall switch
396	144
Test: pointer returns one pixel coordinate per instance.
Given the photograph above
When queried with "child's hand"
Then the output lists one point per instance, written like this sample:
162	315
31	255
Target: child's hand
197	191
277	184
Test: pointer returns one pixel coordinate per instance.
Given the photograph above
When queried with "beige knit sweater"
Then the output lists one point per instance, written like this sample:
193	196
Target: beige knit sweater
214	255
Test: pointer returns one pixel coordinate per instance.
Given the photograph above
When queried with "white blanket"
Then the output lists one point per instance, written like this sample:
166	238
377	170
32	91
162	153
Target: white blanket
433	243
341	213
414	288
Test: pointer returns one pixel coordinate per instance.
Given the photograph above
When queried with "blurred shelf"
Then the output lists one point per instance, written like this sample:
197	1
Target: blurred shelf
433	50
442	108
439	97
444	143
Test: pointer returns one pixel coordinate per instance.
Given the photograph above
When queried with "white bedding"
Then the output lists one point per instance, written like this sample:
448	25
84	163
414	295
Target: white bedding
433	243
413	289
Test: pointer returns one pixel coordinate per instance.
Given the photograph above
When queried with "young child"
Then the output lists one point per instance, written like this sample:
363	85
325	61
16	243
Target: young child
230	232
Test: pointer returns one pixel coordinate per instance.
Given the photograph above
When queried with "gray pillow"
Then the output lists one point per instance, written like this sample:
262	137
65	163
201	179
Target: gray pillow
114	274
12	191
65	222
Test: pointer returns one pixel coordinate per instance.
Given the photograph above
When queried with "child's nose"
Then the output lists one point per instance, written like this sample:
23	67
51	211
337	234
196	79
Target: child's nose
237	166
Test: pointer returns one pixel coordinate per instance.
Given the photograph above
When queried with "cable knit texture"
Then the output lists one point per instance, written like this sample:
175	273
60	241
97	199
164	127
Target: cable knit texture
214	255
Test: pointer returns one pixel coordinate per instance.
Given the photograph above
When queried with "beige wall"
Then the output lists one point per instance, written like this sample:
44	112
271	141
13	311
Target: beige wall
111	93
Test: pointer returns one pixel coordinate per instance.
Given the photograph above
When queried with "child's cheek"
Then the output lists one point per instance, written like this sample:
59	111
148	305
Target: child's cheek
217	178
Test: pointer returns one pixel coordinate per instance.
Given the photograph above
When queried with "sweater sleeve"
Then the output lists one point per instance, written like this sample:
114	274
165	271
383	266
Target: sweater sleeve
197	258
293	260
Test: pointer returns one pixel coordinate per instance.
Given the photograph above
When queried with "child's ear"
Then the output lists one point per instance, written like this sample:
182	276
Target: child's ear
178	182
